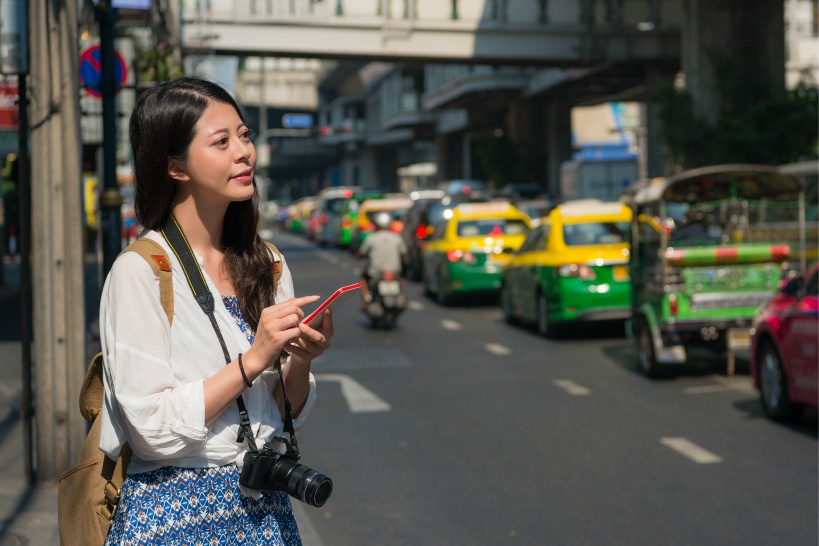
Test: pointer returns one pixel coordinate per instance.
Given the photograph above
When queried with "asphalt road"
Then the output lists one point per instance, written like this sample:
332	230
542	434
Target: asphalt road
458	429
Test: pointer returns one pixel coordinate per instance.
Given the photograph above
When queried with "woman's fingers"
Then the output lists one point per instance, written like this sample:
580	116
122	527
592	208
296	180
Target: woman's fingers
288	307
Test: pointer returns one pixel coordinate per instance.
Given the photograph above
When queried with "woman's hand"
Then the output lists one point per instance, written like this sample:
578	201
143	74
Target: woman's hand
311	343
279	326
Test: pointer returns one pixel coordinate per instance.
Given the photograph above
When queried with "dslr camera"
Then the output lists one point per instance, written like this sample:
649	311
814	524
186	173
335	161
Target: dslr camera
275	468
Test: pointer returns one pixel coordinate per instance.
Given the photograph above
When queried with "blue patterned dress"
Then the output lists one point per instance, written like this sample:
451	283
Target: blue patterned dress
201	506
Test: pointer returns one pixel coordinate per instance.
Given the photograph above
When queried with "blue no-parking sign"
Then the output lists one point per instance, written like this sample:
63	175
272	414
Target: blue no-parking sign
91	70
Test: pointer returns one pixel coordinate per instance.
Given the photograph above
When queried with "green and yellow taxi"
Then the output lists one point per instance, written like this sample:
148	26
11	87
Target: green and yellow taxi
469	248
572	267
349	215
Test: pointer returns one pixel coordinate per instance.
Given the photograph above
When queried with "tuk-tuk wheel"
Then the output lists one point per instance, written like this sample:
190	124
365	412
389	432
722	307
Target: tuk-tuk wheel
645	348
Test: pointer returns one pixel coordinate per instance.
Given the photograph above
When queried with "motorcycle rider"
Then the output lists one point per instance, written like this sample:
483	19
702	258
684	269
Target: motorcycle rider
384	250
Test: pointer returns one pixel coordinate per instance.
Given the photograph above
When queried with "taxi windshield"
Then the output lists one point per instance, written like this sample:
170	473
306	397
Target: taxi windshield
491	226
595	233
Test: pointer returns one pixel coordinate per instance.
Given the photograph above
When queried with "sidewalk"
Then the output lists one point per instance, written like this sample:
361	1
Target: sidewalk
28	515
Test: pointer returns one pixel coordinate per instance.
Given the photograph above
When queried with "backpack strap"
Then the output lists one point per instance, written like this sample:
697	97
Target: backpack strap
277	266
92	388
156	257
91	393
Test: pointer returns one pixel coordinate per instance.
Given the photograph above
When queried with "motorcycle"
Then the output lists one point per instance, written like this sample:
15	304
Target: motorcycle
388	300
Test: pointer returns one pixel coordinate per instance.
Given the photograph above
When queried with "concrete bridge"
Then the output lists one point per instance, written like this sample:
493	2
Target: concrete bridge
519	63
532	32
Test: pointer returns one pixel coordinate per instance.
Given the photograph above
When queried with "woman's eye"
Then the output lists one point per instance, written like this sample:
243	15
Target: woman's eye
222	141
247	134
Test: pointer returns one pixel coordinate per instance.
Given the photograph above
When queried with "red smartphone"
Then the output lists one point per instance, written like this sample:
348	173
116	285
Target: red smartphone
336	300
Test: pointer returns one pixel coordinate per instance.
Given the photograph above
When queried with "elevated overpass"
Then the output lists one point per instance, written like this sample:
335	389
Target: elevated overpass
528	32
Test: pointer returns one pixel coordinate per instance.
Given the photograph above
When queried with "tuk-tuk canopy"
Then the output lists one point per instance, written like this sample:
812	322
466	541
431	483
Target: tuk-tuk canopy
720	182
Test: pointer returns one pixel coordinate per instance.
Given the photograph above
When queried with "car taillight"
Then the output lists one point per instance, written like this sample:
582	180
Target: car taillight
323	219
421	232
673	305
388	276
369	226
577	270
460	256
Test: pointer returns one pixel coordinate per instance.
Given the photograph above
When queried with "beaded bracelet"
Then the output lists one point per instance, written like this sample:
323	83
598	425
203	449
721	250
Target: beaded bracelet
248	382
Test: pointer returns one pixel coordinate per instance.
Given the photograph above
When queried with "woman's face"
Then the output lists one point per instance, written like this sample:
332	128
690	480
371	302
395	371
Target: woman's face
221	157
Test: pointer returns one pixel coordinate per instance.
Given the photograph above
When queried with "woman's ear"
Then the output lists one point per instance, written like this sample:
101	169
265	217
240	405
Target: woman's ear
176	171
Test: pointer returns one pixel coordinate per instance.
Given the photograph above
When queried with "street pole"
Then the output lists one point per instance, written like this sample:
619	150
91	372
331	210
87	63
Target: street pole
110	198
25	274
14	41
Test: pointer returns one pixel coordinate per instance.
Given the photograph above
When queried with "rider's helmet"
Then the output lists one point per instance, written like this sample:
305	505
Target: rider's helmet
381	220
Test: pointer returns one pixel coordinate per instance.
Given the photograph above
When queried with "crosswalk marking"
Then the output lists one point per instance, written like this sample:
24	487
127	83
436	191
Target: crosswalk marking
416	305
359	399
689	449
571	387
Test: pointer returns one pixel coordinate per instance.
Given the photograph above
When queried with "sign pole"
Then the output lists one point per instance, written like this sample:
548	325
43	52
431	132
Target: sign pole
110	198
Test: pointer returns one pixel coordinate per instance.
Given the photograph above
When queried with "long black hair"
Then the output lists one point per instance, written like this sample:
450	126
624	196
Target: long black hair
162	127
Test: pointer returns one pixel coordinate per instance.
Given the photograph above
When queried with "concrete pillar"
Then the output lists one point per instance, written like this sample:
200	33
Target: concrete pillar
58	298
558	141
749	32
656	163
525	122
466	154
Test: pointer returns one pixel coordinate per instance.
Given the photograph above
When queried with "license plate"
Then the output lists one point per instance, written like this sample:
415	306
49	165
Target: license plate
739	338
620	273
389	288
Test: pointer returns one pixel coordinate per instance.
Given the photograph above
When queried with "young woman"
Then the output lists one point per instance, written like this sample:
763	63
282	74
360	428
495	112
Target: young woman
168	390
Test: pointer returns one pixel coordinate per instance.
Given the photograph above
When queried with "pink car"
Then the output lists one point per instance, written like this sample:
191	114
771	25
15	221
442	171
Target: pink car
785	351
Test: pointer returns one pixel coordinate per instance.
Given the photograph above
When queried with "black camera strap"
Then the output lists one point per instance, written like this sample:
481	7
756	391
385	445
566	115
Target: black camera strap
196	280
288	419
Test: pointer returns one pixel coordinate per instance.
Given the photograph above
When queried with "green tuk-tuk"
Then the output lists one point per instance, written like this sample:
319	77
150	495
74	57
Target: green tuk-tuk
709	247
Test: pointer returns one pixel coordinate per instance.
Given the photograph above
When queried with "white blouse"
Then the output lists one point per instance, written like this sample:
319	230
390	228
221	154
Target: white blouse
154	372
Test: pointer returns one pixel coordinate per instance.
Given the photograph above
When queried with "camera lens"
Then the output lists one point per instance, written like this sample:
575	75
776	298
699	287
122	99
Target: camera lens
301	482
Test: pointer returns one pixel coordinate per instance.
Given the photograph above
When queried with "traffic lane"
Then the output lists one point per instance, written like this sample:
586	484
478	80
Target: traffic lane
573	432
566	463
709	409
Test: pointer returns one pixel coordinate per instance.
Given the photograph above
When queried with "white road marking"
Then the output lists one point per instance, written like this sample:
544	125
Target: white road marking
496	348
359	399
705	389
447	324
742	383
689	449
571	387
724	384
416	305
327	256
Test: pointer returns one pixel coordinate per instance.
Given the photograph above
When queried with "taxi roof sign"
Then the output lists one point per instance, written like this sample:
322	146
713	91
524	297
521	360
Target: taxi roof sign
589	207
491	207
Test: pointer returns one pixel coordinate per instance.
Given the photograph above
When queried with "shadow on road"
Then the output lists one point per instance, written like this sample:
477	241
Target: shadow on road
699	364
807	424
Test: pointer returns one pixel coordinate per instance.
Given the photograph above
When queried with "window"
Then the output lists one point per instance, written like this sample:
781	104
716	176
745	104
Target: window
596	233
812	288
492	227
536	240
